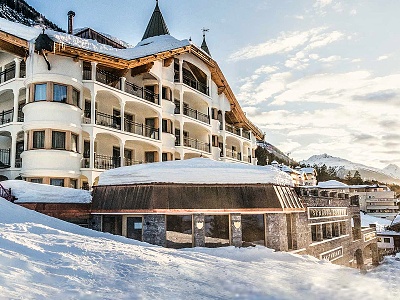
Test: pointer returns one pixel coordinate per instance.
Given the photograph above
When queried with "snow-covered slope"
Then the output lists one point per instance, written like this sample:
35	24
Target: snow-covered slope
391	174
45	258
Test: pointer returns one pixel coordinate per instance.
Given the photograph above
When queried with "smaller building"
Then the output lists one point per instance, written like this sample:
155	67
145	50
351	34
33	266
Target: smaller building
388	242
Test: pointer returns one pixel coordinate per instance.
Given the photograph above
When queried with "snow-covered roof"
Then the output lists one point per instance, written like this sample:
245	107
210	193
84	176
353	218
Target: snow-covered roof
308	170
28	192
331	184
196	170
379	222
153	45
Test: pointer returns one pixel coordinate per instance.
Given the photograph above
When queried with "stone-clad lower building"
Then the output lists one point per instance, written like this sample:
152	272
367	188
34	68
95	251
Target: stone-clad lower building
182	214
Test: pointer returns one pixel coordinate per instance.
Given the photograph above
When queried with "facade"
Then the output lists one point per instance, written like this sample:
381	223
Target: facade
375	200
72	108
179	214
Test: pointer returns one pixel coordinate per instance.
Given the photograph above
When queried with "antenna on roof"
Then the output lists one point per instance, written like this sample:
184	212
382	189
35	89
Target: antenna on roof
204	30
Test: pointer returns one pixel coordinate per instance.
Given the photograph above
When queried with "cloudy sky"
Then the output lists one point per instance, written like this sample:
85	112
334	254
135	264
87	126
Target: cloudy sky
317	76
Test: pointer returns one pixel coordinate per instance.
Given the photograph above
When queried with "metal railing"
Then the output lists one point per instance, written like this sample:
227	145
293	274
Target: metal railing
232	129
6	194
142	129
5	158
20	115
233	154
141	92
105	162
6	116
196	144
131	162
114	81
108	120
7	74
246	134
195	114
18	162
197	85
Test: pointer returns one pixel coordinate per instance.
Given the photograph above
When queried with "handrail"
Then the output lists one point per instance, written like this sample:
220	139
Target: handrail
141	92
6	194
195	114
196	144
7	74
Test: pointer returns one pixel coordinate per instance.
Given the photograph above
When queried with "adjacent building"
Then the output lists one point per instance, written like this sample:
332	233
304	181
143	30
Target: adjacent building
73	106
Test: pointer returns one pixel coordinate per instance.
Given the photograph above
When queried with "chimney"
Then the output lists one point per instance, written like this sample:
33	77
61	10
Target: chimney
71	16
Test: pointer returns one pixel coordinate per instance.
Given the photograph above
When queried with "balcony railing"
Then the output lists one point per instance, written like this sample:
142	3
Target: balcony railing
4	158
6	116
233	154
7	74
18	162
232	129
131	162
129	126
246	134
141	92
20	115
114	81
195	114
105	162
196	144
197	85
142	129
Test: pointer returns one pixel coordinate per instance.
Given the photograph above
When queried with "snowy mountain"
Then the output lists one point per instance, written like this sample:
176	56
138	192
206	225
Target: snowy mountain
45	258
390	174
21	12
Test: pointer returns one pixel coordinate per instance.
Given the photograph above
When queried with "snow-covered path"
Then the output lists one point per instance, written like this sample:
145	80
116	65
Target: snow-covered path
44	258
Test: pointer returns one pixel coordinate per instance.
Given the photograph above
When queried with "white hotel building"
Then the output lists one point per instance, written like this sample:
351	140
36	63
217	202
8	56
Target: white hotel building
72	107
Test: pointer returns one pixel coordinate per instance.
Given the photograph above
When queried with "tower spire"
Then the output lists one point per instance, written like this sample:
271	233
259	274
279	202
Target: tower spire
204	43
157	25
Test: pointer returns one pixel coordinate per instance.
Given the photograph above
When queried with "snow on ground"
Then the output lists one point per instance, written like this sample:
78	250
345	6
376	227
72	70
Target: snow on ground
379	222
45	258
195	170
28	192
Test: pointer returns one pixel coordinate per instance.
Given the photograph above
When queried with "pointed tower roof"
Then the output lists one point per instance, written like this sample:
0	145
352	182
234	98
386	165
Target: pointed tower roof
204	43
156	24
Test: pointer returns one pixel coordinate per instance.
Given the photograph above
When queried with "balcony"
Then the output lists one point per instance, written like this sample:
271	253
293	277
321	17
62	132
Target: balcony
196	144
6	116
193	113
114	122
105	162
246	134
232	129
114	81
197	85
5	158
233	154
7	74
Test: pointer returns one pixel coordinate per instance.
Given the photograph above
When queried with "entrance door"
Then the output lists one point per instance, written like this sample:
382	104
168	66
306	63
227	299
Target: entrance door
134	228
150	125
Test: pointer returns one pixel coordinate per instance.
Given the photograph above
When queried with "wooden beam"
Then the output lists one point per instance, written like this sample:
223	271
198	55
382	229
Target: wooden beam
10	48
141	69
168	61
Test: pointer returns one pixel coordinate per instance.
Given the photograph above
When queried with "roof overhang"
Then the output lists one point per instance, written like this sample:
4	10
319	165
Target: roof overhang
19	47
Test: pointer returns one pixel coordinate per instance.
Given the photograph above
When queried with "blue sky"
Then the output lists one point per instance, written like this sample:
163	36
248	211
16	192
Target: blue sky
317	76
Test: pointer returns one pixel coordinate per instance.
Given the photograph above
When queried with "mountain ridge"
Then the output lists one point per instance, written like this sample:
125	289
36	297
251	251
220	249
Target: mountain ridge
390	174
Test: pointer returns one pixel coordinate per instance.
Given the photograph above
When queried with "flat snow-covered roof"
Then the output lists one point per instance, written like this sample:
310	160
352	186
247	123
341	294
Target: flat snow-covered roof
197	171
28	192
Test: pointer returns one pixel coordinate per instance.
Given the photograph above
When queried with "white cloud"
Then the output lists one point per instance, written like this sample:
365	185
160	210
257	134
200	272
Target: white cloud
286	42
299	17
353	12
383	57
266	69
313	56
322	40
322	3
330	58
356	60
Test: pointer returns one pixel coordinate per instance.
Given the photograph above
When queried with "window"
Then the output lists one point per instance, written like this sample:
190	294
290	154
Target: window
60	93
75	97
40	92
74	142
386	240
73	183
36	180
165	157
38	139
215	141
57	182
58	140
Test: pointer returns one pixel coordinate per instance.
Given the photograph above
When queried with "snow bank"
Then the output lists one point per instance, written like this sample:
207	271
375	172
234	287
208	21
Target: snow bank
196	170
28	192
45	258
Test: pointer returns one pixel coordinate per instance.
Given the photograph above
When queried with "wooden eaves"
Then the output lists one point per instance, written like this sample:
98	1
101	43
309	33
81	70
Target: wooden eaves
18	46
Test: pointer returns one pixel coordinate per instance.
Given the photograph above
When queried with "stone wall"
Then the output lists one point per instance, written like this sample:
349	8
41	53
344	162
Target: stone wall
154	229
